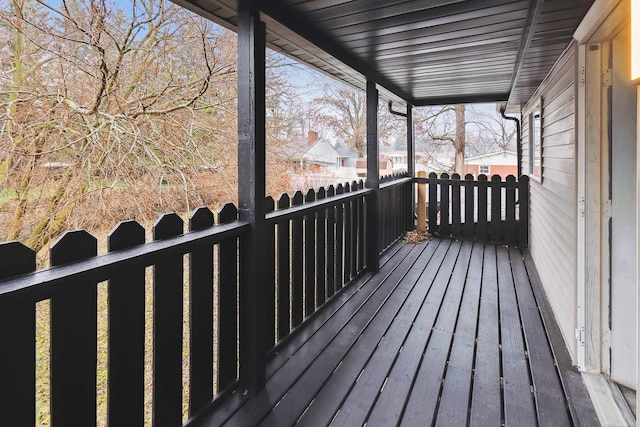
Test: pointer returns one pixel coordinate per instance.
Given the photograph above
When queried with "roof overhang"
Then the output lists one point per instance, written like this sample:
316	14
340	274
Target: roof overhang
424	52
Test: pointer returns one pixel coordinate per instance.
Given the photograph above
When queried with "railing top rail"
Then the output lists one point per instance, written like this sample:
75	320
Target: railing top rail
42	284
394	182
301	210
463	181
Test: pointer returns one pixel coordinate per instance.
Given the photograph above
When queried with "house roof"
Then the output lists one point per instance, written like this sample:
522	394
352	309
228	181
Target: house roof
497	158
426	52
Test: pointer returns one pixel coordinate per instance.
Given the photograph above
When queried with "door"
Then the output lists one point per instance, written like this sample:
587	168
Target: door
624	216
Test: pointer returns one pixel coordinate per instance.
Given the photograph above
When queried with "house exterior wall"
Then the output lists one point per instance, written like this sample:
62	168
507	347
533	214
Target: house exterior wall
553	229
502	170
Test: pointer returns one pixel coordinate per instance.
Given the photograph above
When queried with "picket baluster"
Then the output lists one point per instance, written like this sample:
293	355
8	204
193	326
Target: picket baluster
18	339
168	275
126	296
227	302
201	283
284	272
74	337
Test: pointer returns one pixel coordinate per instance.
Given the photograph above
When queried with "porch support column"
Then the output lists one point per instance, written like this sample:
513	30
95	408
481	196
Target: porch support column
411	165
251	194
373	179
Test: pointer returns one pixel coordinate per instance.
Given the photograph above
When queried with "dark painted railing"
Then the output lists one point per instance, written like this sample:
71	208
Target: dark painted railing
396	215
317	244
71	286
495	210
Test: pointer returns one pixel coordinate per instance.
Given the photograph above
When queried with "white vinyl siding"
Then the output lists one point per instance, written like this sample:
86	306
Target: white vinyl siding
553	201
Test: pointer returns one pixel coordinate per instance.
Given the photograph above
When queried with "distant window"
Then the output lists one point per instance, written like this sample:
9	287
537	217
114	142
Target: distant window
535	146
483	169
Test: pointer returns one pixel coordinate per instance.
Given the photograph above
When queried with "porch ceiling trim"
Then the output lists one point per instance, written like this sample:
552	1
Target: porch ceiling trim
425	52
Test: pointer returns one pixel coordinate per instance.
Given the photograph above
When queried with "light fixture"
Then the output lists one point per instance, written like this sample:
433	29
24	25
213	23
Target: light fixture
635	41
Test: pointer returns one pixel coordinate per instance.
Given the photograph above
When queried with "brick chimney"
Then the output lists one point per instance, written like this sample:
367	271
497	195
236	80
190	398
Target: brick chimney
312	137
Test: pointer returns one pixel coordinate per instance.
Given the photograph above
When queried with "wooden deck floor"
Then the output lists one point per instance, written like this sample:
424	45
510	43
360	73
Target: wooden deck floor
447	333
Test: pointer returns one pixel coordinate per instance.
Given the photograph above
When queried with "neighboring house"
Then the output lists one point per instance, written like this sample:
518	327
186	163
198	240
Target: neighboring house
386	166
345	158
321	153
501	163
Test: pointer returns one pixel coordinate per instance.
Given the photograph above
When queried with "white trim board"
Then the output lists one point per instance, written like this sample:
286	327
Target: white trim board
605	404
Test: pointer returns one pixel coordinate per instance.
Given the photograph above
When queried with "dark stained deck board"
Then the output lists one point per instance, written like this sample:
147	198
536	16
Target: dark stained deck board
342	328
224	408
301	394
456	391
550	405
519	409
423	400
576	395
486	401
366	357
391	400
366	391
449	332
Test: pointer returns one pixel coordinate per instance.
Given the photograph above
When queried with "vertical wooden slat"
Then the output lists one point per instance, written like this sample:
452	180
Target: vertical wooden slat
227	302
445	228
168	276
17	340
284	265
310	257
409	206
362	242
456	208
126	296
469	207
523	215
270	278
373	178
482	228
321	230
339	240
496	209
354	231
201	315
510	210
433	203
348	234
74	338
297	265
331	245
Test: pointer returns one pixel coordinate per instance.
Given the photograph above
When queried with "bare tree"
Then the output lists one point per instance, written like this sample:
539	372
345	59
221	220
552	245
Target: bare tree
462	129
96	102
343	109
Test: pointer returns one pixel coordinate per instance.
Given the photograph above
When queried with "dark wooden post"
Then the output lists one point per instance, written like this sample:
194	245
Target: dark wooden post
411	168
373	179
251	193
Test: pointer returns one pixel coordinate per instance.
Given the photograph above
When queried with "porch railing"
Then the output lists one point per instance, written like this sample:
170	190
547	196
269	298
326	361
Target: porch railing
489	210
317	243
